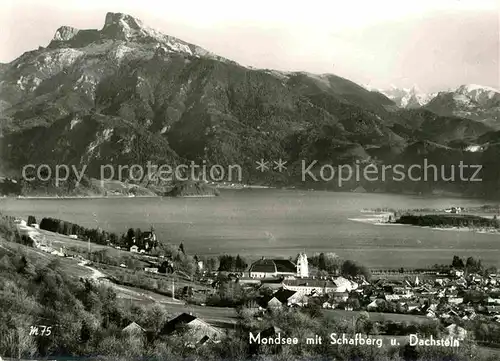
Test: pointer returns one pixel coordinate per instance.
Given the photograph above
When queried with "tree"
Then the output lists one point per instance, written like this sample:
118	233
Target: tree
130	238
138	238
181	248
331	262
470	263
322	262
354	303
212	264
457	262
113	238
31	220
351	269
240	264
227	263
322	274
313	308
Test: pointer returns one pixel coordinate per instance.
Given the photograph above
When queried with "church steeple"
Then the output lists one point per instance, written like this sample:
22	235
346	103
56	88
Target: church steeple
302	266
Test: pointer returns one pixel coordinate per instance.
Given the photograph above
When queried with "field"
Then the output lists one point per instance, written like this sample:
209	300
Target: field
41	258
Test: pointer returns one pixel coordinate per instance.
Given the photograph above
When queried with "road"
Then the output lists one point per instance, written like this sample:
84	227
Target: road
217	316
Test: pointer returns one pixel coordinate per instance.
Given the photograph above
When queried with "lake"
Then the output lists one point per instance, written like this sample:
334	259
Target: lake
279	223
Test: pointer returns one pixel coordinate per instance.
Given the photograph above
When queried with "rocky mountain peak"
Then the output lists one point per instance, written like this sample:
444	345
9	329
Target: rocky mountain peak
483	95
122	26
122	20
65	33
407	97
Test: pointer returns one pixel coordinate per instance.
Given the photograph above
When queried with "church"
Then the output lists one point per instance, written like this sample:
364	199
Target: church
269	268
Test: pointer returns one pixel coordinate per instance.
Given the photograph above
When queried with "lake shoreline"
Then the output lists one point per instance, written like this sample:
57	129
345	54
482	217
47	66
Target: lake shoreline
76	197
275	223
238	187
382	218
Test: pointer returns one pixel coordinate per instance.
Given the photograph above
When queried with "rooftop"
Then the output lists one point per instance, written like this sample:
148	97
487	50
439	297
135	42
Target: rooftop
273	266
309	283
263	265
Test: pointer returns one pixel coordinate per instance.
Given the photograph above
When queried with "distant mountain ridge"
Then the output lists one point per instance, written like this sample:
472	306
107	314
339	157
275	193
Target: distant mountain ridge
127	94
471	101
408	98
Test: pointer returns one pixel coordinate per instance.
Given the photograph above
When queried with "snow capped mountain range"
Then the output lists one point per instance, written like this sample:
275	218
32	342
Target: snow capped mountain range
471	101
476	102
478	94
407	97
414	97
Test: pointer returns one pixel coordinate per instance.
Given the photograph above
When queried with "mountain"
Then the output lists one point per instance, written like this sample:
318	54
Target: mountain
125	91
127	94
470	101
407	97
474	102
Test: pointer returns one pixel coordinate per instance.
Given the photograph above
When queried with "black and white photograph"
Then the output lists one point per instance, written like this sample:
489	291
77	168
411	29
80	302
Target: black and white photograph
265	180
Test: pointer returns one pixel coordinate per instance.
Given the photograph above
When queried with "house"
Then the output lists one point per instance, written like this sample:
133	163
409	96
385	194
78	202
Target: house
264	268
375	305
248	281
273	284
58	253
309	286
493	310
392	297
431	314
45	248
338	297
149	236
328	305
470	314
493	301
411	306
454	210
455	300
151	269
193	329
134	249
432	307
133	329
344	285
456	273
289	298
449	314
274	303
269	303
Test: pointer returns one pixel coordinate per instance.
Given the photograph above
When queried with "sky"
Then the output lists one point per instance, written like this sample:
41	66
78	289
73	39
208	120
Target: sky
433	44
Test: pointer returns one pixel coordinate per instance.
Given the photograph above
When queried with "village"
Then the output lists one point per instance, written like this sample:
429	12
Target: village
450	296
